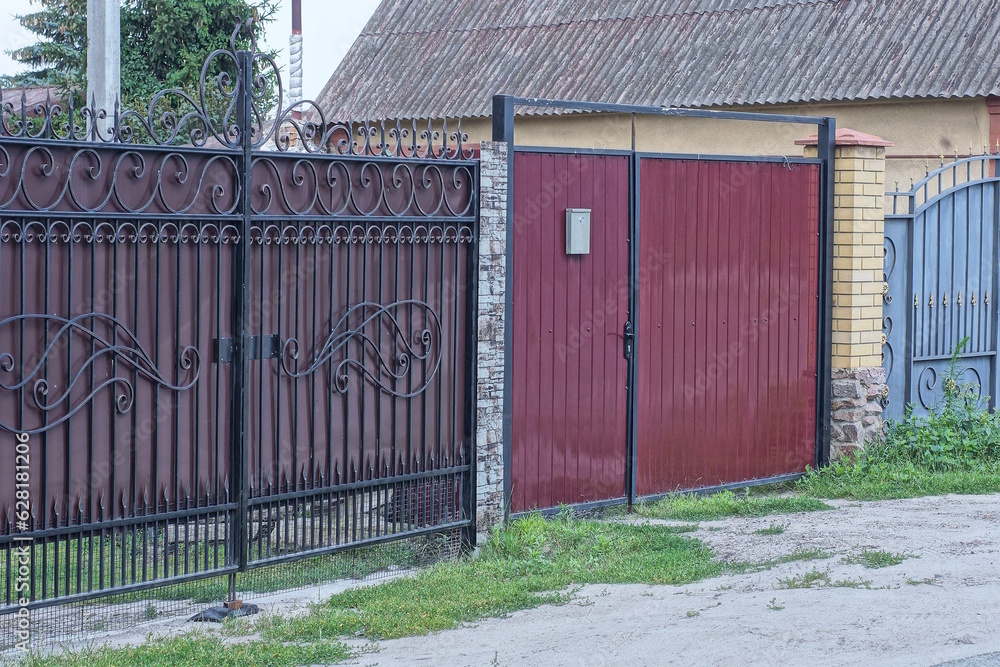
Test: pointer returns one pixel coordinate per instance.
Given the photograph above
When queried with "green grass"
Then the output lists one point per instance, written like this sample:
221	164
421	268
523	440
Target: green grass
821	579
193	649
810	579
727	504
875	559
796	556
952	448
534	561
874	477
531	562
930	581
773	529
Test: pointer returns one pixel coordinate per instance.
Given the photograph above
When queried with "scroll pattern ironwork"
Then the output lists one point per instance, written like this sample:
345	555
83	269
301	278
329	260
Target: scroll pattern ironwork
928	390
133	241
423	345
361	188
210	114
129	351
87	231
336	234
89	180
887	354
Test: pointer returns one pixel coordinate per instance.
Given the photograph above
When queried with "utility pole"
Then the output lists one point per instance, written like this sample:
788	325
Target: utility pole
295	59
104	57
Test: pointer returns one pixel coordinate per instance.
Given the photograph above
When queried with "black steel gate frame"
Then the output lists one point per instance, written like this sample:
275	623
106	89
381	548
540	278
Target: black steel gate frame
504	111
246	132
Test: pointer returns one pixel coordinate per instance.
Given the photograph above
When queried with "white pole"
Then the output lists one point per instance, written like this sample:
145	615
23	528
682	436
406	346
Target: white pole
104	56
295	59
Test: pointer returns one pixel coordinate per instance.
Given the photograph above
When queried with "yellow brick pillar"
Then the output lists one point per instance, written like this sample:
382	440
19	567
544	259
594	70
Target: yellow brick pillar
859	235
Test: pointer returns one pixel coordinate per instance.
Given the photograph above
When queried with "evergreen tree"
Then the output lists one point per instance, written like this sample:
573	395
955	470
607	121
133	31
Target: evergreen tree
163	43
59	59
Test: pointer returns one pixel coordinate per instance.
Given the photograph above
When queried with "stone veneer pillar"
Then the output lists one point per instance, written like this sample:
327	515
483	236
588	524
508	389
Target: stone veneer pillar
859	235
490	502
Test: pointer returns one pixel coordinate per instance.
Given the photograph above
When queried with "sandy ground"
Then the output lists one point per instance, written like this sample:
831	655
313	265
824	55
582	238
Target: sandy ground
941	604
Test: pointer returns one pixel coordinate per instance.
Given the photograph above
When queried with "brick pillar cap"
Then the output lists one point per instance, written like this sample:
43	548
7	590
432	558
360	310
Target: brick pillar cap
846	137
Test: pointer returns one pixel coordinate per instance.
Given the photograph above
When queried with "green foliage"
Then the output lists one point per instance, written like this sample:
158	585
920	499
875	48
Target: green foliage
59	59
773	529
691	507
874	559
954	448
163	43
809	579
958	431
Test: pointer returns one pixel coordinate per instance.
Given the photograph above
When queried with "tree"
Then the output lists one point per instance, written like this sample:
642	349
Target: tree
165	42
59	59
163	45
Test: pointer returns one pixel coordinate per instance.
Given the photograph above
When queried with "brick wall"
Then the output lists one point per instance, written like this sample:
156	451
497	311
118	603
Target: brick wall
858	241
858	237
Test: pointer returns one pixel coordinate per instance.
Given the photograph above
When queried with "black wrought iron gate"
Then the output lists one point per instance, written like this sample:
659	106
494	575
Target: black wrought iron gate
228	341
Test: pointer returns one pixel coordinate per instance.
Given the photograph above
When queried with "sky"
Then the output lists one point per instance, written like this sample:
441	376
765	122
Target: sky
329	27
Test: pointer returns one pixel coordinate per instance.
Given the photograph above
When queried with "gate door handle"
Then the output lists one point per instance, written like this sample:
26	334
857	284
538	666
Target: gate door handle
629	337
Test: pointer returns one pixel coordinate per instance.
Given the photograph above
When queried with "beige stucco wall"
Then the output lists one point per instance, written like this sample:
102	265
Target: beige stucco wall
925	128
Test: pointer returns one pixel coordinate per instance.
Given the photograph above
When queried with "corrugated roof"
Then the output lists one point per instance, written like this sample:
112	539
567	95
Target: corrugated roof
435	58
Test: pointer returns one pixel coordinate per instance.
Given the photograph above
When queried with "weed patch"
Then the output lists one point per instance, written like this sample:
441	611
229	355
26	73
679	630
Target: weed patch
954	448
533	561
928	581
795	556
811	579
876	559
773	529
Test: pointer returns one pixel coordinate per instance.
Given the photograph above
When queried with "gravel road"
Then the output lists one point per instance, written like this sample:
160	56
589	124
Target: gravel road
940	605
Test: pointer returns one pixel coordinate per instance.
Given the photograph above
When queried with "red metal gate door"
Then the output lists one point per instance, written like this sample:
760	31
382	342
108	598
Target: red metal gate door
569	407
727	340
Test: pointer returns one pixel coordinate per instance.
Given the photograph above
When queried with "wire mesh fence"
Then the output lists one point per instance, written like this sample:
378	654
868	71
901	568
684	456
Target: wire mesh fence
52	626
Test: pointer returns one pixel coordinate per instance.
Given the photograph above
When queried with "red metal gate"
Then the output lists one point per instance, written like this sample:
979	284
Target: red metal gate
728	288
569	406
690	348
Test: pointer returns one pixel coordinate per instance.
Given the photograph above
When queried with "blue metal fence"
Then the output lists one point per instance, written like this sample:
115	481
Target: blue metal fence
940	277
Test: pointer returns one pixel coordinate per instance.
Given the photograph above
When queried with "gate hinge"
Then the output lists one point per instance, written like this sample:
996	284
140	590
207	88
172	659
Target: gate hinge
267	346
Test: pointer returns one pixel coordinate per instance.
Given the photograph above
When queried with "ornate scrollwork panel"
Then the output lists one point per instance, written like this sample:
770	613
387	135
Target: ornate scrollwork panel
56	396
402	362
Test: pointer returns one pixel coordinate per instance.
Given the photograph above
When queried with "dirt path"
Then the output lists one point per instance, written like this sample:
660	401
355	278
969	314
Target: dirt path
942	603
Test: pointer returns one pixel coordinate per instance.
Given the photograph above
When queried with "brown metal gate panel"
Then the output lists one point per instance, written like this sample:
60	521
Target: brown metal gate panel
569	411
727	341
359	413
223	355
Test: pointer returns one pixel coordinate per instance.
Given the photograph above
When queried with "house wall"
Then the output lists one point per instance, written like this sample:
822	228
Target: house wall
922	130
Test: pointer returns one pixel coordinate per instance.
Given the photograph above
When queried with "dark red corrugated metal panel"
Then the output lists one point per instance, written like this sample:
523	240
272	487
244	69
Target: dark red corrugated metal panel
727	322
569	375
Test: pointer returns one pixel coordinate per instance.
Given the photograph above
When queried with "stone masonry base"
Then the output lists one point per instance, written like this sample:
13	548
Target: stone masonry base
857	408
